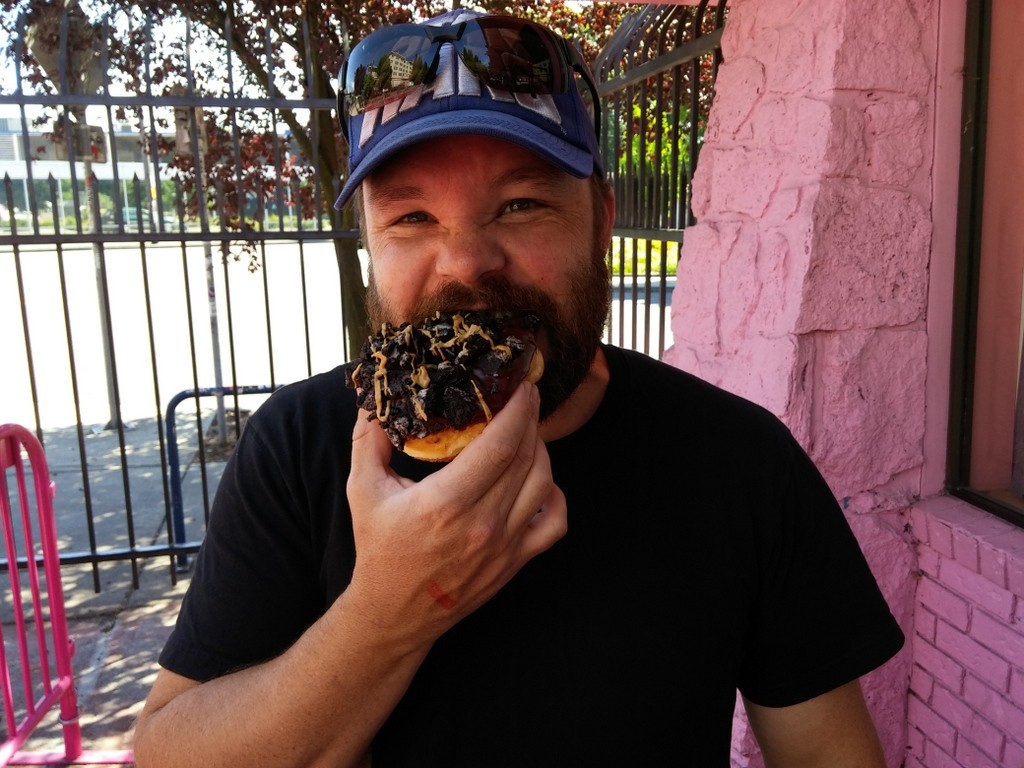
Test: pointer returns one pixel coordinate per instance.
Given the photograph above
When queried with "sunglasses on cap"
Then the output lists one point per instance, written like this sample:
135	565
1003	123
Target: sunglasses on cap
506	53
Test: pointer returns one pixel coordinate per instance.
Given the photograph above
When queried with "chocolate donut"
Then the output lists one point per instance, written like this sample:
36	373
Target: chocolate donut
435	385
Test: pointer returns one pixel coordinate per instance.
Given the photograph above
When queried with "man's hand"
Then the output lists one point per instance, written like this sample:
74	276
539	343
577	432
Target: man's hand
430	553
427	555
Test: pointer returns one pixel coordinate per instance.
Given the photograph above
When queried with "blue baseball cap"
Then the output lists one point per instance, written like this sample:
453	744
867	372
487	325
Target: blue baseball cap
559	127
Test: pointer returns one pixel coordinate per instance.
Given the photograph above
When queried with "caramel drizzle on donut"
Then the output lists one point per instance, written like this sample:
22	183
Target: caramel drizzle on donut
381	375
420	376
483	403
462	333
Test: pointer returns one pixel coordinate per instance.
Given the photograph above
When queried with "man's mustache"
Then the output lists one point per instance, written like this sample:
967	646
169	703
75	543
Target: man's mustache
496	293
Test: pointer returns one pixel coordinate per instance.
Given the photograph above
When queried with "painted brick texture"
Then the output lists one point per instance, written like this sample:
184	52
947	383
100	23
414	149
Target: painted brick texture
966	705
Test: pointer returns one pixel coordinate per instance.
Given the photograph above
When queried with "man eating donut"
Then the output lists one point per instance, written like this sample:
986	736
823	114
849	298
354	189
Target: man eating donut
591	580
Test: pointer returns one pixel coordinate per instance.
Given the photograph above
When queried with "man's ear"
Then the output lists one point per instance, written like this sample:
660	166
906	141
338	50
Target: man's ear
609	217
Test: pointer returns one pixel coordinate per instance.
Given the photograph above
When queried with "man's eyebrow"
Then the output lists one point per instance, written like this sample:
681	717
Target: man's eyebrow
544	175
394	193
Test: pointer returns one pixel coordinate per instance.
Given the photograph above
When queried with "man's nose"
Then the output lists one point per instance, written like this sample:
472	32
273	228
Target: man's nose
467	255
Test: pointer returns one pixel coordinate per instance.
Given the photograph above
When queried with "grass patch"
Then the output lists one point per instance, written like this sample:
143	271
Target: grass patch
640	257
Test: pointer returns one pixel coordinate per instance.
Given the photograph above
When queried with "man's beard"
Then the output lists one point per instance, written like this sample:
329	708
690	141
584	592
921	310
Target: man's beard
573	331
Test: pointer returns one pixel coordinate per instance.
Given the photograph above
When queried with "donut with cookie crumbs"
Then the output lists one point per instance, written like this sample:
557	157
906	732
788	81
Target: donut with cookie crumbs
434	385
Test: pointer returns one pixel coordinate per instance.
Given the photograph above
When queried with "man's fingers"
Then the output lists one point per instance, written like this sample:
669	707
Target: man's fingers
497	469
369	443
371	456
536	489
548	525
500	458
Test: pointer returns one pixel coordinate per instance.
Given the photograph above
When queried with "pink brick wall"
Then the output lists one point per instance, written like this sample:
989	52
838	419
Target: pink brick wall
966	705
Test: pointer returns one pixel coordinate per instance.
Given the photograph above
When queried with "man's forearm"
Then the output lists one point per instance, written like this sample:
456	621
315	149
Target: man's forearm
319	703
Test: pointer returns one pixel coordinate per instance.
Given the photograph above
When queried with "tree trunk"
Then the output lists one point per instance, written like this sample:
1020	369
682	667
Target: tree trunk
353	295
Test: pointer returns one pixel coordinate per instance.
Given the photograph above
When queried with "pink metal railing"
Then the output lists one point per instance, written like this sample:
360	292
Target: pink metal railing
40	636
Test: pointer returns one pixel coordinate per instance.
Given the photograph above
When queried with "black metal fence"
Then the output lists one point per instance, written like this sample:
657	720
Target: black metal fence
146	309
656	78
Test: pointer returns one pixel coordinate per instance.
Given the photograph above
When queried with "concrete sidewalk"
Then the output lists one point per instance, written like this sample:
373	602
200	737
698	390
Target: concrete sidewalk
116	648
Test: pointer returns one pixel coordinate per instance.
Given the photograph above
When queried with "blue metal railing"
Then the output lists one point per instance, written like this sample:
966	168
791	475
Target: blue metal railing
176	531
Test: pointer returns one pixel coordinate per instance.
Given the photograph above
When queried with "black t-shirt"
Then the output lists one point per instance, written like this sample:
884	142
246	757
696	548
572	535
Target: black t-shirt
704	553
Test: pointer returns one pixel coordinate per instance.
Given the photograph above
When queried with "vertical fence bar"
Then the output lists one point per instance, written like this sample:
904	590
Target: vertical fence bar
157	400
230	315
79	429
25	329
116	422
305	309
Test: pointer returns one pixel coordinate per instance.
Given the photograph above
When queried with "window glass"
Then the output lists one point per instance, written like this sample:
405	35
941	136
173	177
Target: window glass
987	453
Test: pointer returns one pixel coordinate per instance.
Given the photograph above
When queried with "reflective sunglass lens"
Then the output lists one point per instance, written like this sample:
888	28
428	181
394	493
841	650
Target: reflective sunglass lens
385	70
518	57
504	53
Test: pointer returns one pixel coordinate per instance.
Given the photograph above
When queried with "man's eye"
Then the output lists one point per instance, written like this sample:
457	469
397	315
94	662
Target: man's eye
516	206
416	217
